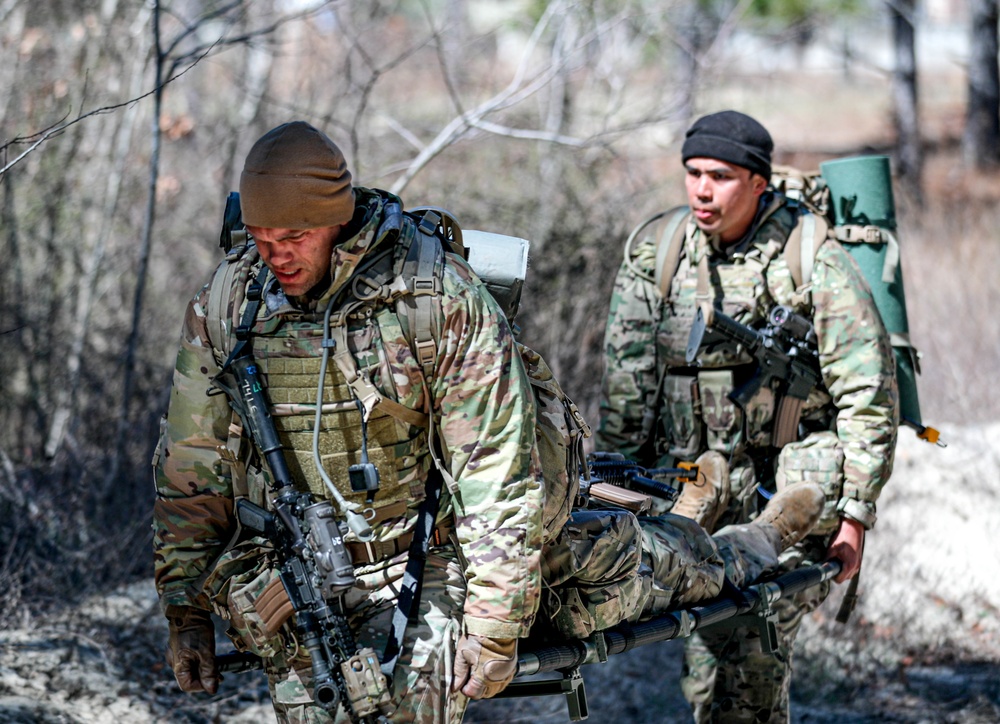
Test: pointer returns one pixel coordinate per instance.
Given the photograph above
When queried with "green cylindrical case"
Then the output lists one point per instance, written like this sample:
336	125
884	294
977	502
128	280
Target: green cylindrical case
861	195
861	191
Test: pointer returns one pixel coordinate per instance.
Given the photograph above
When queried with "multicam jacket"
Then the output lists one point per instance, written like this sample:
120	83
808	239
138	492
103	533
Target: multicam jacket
656	407
479	395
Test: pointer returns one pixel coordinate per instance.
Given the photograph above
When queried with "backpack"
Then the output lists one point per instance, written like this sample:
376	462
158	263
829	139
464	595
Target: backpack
830	211
501	262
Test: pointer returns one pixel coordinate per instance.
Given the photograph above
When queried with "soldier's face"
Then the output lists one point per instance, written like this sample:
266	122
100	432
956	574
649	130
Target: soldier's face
298	258
723	197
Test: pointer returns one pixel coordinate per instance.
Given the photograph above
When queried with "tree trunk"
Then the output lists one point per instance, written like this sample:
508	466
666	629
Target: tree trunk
981	140
131	350
65	395
556	121
904	95
695	36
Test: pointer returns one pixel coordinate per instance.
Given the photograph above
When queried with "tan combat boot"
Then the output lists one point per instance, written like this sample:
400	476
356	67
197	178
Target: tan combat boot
793	512
752	550
705	499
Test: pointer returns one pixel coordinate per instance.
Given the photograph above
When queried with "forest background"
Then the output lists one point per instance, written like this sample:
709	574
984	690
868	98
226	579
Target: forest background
124	126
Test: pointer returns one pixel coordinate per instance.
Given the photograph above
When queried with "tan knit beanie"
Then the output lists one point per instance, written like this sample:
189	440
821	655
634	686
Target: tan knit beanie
295	177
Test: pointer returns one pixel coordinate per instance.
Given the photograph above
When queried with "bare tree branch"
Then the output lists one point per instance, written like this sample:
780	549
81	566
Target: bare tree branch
192	57
58	128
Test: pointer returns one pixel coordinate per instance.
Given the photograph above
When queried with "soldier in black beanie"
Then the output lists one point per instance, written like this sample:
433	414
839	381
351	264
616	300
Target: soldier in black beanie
730	136
742	247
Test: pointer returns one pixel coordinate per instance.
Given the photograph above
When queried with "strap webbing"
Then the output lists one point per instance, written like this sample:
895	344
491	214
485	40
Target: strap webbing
255	295
408	601
856	234
793	248
424	287
668	255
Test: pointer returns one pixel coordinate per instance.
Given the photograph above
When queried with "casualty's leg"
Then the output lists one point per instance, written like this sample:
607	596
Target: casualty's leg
593	573
752	549
688	565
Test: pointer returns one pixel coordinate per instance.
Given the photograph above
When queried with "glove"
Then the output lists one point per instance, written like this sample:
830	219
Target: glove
484	666
191	649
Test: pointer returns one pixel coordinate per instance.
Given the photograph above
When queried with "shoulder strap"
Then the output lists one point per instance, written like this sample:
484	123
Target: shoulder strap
422	272
800	250
226	295
668	245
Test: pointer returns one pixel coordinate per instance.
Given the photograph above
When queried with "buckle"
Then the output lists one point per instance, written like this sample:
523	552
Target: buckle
425	285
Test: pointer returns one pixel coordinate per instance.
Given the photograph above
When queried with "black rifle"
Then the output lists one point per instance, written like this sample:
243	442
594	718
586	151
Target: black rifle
786	355
616	469
314	564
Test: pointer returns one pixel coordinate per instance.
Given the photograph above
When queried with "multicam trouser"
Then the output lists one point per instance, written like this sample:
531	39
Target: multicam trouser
727	675
607	567
422	678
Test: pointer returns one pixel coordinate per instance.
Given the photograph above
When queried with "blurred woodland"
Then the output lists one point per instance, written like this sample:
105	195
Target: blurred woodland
124	125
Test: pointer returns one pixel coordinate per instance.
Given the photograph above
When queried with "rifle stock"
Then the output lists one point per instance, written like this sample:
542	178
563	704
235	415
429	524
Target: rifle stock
616	469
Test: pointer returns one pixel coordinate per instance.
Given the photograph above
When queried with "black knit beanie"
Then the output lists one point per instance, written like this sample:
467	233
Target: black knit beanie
733	137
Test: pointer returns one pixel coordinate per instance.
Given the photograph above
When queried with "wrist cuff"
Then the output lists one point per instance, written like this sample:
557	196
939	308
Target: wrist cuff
495	629
863	513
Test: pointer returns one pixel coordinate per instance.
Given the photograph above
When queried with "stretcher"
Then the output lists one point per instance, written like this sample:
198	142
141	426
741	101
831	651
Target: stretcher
750	607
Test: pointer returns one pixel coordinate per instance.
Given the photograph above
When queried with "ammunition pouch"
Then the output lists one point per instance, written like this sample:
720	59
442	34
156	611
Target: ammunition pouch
723	418
239	580
820	459
247	628
683	415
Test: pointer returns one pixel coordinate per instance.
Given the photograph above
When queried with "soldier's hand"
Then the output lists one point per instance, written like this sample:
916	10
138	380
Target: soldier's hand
847	546
484	666
191	649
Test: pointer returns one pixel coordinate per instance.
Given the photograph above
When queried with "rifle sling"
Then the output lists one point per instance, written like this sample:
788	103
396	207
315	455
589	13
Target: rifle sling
408	601
255	295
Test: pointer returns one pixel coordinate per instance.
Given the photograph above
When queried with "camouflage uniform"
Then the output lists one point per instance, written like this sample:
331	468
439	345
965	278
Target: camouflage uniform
656	410
485	581
607	566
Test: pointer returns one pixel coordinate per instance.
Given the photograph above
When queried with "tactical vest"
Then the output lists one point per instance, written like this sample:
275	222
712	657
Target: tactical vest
695	410
288	353
288	348
394	298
